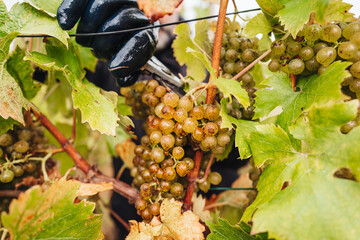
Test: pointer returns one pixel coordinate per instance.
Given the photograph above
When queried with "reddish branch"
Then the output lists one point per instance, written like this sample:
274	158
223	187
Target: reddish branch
293	81
95	176
210	98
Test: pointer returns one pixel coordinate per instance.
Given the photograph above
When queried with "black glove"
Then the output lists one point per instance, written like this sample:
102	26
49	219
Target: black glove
127	52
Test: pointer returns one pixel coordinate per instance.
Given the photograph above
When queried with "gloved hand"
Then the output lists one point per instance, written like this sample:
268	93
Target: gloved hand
127	52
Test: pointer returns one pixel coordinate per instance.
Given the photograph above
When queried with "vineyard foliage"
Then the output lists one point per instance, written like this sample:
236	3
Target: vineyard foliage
295	140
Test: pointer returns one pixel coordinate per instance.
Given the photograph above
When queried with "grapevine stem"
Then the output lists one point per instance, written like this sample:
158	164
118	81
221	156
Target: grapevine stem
252	64
5	232
207	170
210	98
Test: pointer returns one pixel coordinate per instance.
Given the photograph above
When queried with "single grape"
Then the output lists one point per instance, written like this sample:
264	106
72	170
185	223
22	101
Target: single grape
240	65
139	150
296	66
205	186
167	112
146	175
180	115
229	67
146	155
145	140
140	204
176	189
155	137
247	80
326	56
150	99
321	70
318	46
18	171
169	173
197	112
347	80
170	99
160	91
248	55
139	180
5	140
347	50
157	155
231	55
274	65
331	33
158	109
146	215
167	141
347	127
189	125
153	123
186	103
167	163
227	76
180	141
209	142
134	172
7	176
189	162
293	48
198	134
312	32
355	85
351	29
178	153
246	43
151	85
212	112
154	209
225	39
211	128
278	48
215	178
312	65
179	131
166	126
222	53
355	70
234	43
306	53
182	169
159	173
223	139
165	186
24	135
356	39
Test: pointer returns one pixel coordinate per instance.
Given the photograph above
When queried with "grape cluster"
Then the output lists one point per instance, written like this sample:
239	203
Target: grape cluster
174	128
316	47
15	148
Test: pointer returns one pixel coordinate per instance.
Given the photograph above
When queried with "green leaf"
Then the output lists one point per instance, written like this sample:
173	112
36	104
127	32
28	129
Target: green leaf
313	89
26	19
87	59
22	71
123	108
183	41
338	11
270	8
232	87
296	13
52	214
222	230
111	142
6	124
49	6
305	179
227	151
256	25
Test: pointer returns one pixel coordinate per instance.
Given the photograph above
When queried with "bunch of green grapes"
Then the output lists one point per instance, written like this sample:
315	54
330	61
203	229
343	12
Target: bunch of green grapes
175	128
16	146
133	96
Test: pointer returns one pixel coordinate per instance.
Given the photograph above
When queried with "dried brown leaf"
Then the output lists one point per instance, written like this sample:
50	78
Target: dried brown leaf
89	189
126	152
199	208
156	9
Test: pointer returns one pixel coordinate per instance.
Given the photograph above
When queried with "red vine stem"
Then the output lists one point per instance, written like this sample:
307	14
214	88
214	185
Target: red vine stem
210	98
95	176
207	171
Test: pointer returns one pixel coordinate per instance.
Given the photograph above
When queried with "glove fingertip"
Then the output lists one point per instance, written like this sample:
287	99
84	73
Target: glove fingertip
69	12
128	80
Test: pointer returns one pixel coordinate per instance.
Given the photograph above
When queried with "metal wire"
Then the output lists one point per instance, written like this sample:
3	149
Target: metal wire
229	188
139	28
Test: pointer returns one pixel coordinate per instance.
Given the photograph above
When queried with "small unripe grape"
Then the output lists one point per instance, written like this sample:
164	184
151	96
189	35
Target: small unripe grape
167	141
355	85
171	99
5	140
351	29
296	66
347	50
326	56
212	112
306	53
189	125
182	169
198	134
223	139
165	186
146	215
312	32
151	85
139	150
204	186
211	128
197	112
278	48
356	39
180	115
229	67
179	131
21	146
246	43
146	175
318	46
7	176
312	65
248	55
176	189
227	76
155	137
274	65
186	103
154	209
247	80
321	70
331	33
222	53
240	65
157	155
166	126
145	140
178	152
234	43
160	91
293	48
231	55
167	112
355	69
180	141
18	171
189	162
24	135
140	204
215	178
209	142
169	173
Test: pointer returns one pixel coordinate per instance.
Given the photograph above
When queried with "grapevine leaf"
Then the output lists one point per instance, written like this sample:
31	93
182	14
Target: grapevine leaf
243	130
232	87
194	67
125	150
228	149
305	180
122	107
144	231
87	59
49	6
296	13
223	230
313	89
199	207
90	189
21	71
6	124
270	8
256	25
51	213
338	11
156	9
26	19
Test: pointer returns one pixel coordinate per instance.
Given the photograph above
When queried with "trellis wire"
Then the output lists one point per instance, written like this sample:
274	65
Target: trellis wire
229	188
